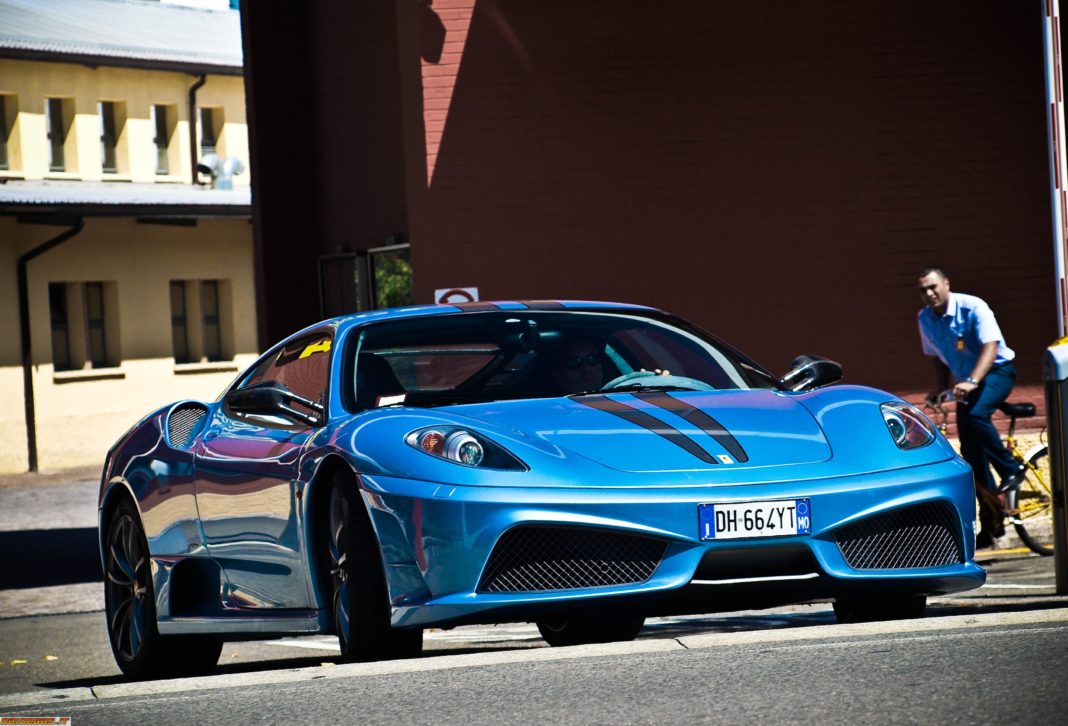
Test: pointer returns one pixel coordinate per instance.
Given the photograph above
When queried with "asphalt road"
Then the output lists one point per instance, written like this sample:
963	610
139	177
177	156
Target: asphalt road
990	668
990	655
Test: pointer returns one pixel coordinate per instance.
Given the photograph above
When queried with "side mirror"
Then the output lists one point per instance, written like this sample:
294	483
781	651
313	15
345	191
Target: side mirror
272	398
811	371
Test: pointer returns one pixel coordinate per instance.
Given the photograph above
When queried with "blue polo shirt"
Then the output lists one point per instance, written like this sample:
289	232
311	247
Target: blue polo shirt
957	337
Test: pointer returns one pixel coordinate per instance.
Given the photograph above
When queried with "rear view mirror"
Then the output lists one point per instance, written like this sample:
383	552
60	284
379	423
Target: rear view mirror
272	398
811	371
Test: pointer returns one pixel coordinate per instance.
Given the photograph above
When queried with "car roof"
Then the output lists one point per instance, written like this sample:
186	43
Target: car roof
415	311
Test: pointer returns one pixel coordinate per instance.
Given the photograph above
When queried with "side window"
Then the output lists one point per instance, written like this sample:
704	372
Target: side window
303	367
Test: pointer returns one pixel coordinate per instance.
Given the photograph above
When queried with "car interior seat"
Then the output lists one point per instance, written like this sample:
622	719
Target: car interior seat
375	380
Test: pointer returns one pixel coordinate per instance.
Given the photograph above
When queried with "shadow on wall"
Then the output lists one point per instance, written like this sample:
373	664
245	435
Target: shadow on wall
779	188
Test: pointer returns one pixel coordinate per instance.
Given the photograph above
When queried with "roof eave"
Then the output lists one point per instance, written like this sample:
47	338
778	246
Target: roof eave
144	211
94	60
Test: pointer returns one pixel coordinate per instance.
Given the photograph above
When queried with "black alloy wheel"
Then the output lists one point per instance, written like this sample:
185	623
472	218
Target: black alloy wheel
359	596
129	605
338	545
128	587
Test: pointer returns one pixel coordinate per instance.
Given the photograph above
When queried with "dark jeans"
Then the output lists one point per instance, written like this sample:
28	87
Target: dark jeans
980	444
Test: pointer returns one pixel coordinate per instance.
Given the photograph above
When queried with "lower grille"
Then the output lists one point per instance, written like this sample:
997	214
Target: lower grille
184	423
536	558
920	536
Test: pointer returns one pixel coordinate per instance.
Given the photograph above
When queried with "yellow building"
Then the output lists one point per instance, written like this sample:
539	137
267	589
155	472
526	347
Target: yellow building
126	275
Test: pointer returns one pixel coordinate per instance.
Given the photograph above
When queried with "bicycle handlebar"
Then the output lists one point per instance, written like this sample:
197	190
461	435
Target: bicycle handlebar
938	406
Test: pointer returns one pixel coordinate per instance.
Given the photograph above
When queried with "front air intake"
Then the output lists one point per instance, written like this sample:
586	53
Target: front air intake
535	558
184	422
919	536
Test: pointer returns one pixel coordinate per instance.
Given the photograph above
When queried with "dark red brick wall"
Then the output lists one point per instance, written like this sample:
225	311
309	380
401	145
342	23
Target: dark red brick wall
284	200
330	86
359	67
776	171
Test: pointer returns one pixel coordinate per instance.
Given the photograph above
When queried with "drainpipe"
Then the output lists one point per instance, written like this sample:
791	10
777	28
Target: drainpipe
193	126
24	325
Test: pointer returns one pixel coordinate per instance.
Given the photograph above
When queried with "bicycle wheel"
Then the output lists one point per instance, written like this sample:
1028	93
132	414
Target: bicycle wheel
1030	505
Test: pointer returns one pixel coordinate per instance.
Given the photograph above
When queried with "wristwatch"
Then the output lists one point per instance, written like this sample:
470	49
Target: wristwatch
971	380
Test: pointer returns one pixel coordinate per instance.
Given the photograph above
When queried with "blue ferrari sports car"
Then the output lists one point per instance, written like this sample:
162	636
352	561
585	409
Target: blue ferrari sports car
579	465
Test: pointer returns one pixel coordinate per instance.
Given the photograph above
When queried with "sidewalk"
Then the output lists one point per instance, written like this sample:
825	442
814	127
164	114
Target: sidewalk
48	544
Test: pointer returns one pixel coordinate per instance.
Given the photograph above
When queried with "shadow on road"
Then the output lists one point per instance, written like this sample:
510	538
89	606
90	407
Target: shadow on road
44	557
222	669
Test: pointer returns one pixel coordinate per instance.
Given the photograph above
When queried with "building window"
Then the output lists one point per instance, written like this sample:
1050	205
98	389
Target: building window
381	277
342	284
210	121
162	138
57	302
108	136
179	328
209	311
57	133
96	340
6	123
201	330
83	325
391	275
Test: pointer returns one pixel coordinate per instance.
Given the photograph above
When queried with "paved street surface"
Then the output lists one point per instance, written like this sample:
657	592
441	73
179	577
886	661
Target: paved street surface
977	668
990	655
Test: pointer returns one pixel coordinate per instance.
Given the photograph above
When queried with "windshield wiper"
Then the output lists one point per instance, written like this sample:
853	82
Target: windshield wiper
630	388
442	401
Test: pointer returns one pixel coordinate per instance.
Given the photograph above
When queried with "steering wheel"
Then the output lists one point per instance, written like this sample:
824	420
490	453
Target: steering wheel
632	379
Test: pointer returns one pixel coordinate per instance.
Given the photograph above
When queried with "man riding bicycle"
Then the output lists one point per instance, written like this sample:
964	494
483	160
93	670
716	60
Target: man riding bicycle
962	336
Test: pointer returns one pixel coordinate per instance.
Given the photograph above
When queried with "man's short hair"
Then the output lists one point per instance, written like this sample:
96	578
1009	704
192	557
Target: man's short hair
932	270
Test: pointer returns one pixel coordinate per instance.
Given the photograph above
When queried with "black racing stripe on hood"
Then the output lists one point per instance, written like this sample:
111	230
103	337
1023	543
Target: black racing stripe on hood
698	418
646	421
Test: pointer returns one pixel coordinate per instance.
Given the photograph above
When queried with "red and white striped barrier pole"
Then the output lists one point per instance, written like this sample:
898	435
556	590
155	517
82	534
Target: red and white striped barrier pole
1058	173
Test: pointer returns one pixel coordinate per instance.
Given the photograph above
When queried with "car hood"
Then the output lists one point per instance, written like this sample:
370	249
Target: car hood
675	431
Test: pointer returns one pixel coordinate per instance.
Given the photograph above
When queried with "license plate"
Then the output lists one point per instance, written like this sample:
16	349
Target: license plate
735	520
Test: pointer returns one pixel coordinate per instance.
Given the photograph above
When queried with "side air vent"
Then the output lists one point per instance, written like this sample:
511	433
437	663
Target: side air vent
537	558
184	423
920	536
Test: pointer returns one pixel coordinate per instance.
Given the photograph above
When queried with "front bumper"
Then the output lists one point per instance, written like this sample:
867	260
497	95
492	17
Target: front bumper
437	539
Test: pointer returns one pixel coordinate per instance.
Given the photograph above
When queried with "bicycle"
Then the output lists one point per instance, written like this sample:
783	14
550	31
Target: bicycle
1029	504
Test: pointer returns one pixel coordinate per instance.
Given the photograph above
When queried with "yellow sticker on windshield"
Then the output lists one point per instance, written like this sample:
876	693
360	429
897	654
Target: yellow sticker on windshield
321	347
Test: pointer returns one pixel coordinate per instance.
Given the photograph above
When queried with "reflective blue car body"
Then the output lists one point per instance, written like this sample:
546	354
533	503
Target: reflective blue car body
227	506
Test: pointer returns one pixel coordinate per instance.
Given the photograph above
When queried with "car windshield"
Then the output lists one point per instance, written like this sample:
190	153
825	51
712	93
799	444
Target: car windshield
485	356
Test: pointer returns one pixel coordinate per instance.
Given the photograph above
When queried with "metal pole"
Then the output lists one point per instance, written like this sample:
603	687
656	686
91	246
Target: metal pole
1058	173
1054	373
27	346
193	127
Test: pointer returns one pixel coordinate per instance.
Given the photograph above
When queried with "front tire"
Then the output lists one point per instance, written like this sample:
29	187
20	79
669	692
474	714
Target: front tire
874	609
359	596
130	607
580	631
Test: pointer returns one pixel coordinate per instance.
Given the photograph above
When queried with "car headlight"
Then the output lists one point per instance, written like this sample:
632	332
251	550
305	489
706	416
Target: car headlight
461	446
907	425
